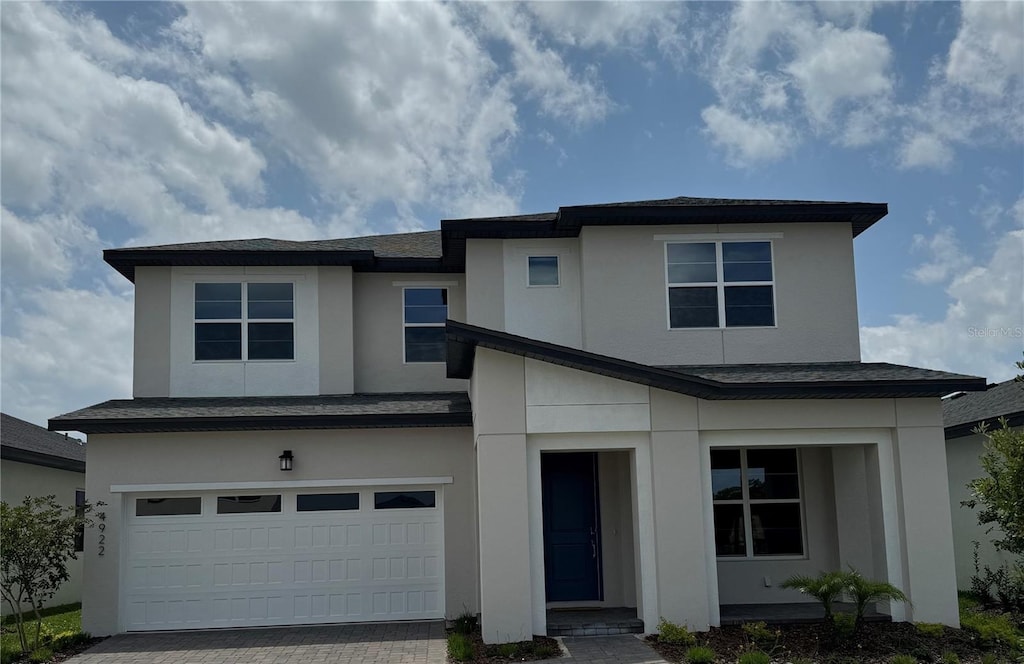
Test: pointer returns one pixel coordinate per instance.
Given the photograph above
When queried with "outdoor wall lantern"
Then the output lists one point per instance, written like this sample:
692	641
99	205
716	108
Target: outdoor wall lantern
286	460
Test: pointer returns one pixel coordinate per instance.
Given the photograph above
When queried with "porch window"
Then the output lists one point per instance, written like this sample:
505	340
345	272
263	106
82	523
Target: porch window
757	502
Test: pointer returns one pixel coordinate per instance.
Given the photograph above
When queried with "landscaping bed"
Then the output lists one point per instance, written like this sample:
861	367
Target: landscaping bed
466	644
61	636
987	638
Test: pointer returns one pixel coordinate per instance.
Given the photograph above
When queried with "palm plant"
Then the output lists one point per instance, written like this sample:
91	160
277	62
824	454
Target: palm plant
865	591
826	588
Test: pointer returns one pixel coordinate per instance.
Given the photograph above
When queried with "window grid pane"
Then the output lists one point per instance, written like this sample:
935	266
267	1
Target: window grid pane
734	271
766	518
223	339
425	311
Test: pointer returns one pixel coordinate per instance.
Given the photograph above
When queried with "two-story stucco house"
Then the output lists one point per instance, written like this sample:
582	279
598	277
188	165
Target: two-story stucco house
657	405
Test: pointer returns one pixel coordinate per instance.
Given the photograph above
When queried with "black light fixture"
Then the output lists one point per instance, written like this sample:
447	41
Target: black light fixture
286	460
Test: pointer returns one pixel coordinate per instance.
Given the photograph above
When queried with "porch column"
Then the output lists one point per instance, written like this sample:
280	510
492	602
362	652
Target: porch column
679	505
499	410
928	532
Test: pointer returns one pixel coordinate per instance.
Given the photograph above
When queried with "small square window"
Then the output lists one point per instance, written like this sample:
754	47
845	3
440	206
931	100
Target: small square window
543	270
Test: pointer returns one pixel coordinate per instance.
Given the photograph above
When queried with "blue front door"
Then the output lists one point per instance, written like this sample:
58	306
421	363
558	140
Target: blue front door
572	546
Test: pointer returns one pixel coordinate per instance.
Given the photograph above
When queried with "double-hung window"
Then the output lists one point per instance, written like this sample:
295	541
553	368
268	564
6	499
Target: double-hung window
757	502
720	284
262	329
425	311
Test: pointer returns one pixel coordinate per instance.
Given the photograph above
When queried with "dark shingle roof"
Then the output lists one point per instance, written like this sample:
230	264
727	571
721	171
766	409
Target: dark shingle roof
823	380
817	372
445	250
154	414
26	442
962	412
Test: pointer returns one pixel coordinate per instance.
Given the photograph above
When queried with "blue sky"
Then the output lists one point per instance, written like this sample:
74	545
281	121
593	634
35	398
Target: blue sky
143	123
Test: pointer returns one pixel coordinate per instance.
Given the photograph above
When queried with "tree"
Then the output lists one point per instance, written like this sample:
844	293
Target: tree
865	591
1000	494
38	538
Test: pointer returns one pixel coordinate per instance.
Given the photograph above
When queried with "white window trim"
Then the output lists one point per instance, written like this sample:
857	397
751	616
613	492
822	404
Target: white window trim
720	284
425	286
746	501
245	320
544	254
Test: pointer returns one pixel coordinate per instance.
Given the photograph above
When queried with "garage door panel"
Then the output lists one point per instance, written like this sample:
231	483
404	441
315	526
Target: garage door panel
229	570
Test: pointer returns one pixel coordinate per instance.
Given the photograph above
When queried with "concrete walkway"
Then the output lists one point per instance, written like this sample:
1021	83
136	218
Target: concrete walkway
383	643
620	649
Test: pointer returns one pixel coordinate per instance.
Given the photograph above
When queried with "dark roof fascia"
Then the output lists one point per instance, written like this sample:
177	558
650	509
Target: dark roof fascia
126	260
967	428
463	339
38	459
260	423
860	215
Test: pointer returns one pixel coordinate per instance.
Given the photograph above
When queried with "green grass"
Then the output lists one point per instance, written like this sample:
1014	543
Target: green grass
460	647
56	620
700	655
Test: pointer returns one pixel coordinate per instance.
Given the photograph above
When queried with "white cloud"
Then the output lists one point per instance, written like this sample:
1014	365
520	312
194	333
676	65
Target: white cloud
747	141
69	348
43	250
946	259
925	151
988	51
981	331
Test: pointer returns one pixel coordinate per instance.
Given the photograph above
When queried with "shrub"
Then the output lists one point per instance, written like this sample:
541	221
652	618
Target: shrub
845	625
460	647
700	655
950	658
759	632
933	630
755	657
992	630
68	640
903	659
989	658
826	588
40	655
465	623
669	632
508	649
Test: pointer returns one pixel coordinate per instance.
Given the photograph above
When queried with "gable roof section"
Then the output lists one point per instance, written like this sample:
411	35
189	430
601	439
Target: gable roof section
825	380
445	250
25	442
355	411
963	412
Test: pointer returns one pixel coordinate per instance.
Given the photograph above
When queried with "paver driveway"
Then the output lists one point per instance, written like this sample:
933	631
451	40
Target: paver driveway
383	643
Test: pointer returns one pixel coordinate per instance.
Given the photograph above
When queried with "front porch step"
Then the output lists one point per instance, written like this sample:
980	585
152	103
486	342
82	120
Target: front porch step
601	622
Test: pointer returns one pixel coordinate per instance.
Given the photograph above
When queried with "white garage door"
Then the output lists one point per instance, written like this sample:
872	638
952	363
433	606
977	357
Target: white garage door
199	560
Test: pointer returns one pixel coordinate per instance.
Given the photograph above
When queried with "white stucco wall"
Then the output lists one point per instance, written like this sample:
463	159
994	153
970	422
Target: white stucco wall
152	349
624	297
616	506
18	480
963	461
379	337
190	378
547	313
251	456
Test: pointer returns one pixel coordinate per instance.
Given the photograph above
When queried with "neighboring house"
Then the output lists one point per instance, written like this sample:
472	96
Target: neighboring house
656	404
36	462
962	413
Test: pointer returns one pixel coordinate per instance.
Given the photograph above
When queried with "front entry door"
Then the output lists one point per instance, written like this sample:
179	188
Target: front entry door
572	544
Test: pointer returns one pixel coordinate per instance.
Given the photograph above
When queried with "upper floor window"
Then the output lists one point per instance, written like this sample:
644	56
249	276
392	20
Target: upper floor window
267	319
757	503
720	284
424	312
543	270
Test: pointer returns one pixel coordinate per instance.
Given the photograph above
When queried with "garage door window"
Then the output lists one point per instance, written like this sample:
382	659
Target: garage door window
168	506
400	500
248	504
322	502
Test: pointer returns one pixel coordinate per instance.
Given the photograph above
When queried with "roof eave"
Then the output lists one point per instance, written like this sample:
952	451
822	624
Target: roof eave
126	260
8	453
968	428
259	423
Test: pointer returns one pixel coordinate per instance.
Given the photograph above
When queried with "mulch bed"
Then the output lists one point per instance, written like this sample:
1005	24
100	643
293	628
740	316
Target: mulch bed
68	653
489	654
876	644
